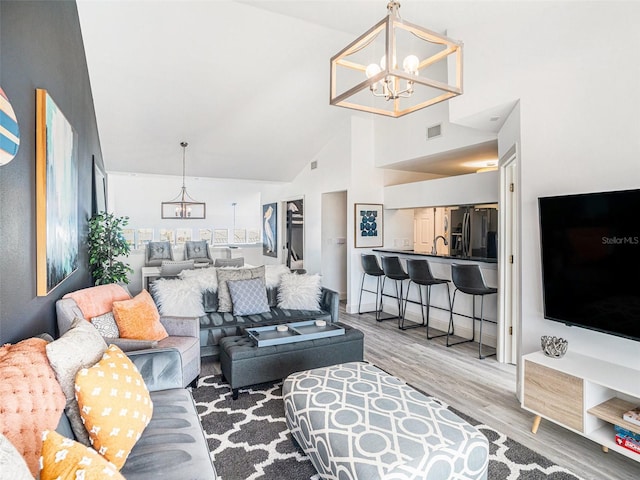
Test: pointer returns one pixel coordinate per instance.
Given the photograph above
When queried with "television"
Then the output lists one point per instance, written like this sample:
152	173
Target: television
590	246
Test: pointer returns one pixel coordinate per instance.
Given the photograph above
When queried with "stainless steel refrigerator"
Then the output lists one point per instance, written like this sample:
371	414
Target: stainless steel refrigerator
474	230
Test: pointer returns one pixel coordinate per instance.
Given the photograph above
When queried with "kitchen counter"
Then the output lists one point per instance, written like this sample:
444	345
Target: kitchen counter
450	257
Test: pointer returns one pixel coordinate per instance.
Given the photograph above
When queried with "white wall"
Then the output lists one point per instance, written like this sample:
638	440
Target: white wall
334	242
579	91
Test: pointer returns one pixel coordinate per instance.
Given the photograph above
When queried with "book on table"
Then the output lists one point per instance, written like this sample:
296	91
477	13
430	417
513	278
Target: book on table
632	416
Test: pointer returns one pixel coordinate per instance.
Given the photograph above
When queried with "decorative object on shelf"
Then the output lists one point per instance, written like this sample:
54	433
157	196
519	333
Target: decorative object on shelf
9	130
368	225
270	232
184	206
321	323
106	243
632	416
56	195
362	80
553	346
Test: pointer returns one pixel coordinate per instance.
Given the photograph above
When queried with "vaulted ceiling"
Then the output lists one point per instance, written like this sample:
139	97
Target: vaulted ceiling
245	83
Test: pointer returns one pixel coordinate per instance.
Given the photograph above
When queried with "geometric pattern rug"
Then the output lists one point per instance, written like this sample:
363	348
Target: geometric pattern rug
248	439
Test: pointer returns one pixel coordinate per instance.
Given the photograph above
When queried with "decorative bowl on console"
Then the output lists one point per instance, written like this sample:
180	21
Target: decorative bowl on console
553	346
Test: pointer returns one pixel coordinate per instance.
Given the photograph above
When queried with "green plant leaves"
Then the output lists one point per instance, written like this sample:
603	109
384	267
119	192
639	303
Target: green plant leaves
106	243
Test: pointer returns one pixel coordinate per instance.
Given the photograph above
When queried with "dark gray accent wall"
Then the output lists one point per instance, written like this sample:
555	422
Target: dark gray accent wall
40	47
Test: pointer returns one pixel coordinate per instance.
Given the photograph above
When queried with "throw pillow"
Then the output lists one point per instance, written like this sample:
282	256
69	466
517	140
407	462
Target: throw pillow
197	251
272	274
12	465
138	318
169	268
31	399
205	278
177	297
80	347
106	325
229	262
299	292
64	459
114	404
249	297
224	275
94	301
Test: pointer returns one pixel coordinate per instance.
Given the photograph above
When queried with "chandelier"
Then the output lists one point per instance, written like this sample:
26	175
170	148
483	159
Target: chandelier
362	77
183	206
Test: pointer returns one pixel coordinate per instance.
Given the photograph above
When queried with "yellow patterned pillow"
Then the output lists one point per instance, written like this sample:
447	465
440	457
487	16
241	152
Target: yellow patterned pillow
65	459
114	405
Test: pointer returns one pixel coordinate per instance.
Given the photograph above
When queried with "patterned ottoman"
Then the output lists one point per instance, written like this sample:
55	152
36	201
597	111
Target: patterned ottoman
357	422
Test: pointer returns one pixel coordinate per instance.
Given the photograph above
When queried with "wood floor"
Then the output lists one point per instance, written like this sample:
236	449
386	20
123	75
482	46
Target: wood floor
484	389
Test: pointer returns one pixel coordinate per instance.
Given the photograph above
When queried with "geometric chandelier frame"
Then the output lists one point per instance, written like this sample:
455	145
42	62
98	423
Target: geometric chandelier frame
389	88
183	206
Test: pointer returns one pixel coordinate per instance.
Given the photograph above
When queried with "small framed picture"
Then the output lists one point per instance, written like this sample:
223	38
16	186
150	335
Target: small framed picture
220	236
368	223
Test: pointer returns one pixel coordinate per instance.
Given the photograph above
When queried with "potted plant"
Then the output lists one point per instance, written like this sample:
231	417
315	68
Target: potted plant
106	243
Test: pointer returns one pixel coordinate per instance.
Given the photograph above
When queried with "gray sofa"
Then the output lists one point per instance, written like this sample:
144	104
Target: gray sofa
216	325
173	445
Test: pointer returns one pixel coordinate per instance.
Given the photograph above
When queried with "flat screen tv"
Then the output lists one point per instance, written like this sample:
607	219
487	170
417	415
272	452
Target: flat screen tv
591	261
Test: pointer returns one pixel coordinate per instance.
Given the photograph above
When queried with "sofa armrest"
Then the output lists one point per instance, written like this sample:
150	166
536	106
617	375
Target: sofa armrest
130	344
330	301
181	326
161	368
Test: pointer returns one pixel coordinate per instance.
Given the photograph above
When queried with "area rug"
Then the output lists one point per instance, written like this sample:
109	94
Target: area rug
249	440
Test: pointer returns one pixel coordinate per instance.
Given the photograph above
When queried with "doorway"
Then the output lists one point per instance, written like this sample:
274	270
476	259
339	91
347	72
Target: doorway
509	300
334	242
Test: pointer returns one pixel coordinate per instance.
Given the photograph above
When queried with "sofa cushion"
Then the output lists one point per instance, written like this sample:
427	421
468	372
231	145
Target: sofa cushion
249	297
300	292
205	278
178	297
31	399
224	275
94	301
12	465
171	268
197	251
106	325
114	404
229	262
138	318
62	458
157	252
173	444
80	347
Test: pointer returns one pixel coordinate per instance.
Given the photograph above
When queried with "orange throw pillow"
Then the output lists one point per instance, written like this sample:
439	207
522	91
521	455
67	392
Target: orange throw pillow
138	318
65	459
31	399
115	405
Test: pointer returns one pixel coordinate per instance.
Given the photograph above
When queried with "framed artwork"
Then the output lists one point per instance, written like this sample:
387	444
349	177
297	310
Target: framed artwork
253	235
167	235
239	235
183	235
206	234
221	236
56	195
368	223
129	235
99	188
270	231
145	235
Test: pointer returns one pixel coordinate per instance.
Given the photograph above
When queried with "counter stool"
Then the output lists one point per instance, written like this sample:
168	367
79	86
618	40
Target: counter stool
370	266
393	270
468	279
420	274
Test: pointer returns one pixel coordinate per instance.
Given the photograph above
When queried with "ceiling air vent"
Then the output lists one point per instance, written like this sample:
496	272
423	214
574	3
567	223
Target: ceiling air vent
434	131
314	165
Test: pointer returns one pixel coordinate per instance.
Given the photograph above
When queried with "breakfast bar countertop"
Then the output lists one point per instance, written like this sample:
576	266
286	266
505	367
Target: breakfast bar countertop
451	257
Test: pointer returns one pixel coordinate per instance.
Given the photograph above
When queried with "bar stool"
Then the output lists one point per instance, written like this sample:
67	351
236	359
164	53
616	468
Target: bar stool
370	266
468	279
420	274
393	270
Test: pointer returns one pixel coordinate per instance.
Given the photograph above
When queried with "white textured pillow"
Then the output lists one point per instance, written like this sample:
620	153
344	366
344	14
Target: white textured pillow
12	465
299	292
80	347
177	297
272	274
205	278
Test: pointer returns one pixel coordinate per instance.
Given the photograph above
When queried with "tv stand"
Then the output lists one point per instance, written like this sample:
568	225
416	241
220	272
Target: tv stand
583	394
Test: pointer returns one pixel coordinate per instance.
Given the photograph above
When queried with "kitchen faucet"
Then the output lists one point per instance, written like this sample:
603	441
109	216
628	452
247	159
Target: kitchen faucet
434	250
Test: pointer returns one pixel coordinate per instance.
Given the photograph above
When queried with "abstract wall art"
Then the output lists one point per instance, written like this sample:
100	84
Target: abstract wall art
368	223
56	195
270	231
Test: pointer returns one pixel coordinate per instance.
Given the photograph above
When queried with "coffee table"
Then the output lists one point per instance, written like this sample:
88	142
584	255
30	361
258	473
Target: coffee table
244	363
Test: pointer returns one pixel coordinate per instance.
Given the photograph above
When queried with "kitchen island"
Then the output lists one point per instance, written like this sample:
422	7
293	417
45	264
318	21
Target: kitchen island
463	308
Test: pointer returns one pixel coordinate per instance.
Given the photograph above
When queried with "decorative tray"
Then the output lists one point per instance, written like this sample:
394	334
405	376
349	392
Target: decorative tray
295	332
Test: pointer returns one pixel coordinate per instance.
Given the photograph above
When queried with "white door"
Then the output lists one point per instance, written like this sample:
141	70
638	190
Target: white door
424	229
